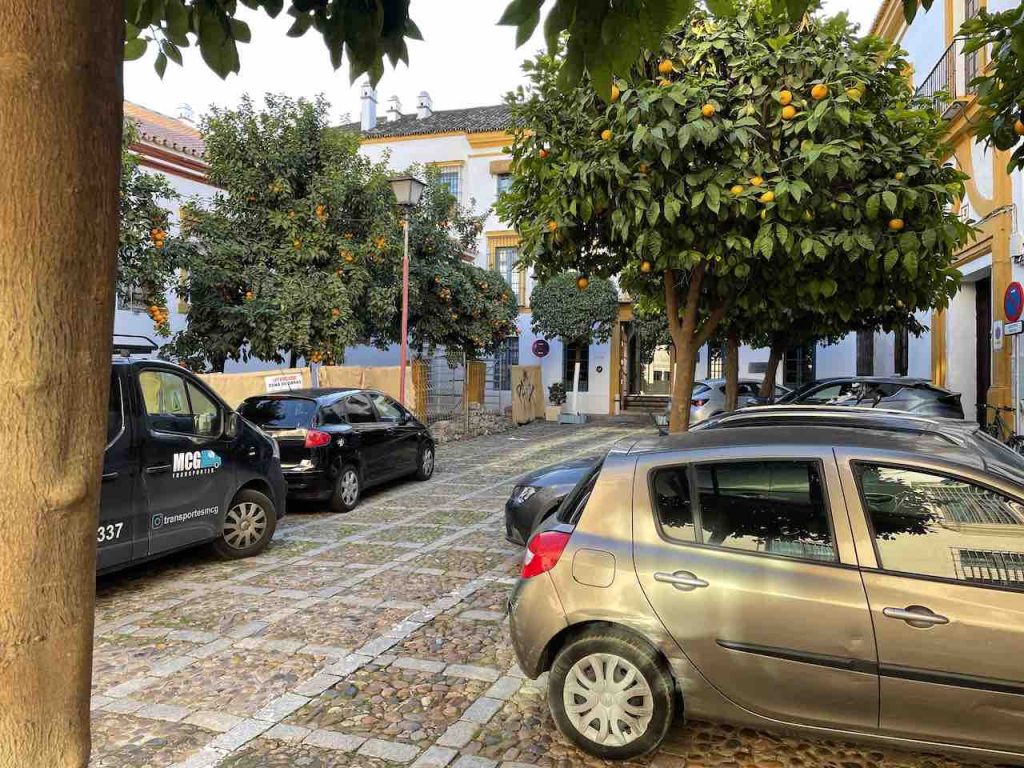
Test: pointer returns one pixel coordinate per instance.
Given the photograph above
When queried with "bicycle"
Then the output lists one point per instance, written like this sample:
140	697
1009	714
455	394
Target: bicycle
999	429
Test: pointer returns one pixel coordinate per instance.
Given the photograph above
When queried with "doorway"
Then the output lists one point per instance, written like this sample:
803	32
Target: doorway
983	338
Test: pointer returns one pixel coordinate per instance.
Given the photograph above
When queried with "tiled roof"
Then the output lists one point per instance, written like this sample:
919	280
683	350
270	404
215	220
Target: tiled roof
472	120
165	131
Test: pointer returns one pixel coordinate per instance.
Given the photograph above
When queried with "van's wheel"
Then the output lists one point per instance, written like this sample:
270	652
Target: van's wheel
425	462
248	526
347	489
611	694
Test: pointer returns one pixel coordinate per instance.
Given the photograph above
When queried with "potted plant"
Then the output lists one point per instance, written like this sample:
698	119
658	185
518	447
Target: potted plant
556	399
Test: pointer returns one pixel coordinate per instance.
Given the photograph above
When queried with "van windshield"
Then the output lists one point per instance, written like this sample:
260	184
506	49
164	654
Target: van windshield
279	412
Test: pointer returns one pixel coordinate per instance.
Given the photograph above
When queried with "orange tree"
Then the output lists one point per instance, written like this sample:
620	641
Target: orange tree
145	254
747	164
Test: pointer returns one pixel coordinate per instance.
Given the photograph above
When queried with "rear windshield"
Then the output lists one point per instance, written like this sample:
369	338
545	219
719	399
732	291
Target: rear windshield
279	412
700	389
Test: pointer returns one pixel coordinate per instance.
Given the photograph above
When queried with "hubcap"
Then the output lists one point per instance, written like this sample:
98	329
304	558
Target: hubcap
427	462
244	524
608	700
349	487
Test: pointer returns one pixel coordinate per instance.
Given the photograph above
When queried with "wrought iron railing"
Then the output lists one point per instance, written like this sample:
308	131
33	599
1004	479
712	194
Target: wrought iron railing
950	79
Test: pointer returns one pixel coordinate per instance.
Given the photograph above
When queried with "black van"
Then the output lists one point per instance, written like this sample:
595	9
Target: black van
181	468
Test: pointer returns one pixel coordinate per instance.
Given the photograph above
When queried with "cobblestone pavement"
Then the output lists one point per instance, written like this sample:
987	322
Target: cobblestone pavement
375	639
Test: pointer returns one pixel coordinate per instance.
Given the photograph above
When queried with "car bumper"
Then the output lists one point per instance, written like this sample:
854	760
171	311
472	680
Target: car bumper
535	618
307	484
280	488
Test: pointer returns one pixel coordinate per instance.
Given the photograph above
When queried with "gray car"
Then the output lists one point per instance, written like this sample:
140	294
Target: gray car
841	578
708	398
537	495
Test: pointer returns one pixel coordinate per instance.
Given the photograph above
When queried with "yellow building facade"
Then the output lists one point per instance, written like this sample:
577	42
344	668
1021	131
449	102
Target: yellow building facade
967	354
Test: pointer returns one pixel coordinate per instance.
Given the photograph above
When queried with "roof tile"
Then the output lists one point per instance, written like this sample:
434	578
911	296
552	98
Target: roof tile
165	131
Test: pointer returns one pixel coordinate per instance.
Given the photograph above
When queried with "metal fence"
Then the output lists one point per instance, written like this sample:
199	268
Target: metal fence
459	393
950	79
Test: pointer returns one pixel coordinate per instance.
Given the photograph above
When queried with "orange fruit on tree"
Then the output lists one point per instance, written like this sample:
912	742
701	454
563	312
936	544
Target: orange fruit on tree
737	190
708	110
757	181
552	225
1018	127
335	312
785	98
542	153
606	135
768	197
900	176
896	224
249	296
615	93
664	82
582	282
819	92
665	67
644	168
645	266
788	112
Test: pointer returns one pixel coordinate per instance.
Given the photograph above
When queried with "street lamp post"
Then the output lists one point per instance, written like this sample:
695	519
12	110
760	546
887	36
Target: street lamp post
408	190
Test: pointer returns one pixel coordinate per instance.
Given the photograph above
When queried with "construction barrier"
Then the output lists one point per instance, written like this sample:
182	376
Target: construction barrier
236	387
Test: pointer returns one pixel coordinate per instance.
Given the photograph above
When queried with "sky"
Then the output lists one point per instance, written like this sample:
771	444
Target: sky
465	60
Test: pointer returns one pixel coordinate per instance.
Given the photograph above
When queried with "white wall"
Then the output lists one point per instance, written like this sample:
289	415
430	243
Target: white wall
837	359
961	347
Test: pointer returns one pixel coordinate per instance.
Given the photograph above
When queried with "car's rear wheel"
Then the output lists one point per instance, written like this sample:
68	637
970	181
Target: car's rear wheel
347	490
248	526
425	463
611	694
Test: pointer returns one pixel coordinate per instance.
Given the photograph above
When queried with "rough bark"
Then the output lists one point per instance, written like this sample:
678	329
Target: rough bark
778	349
60	127
732	371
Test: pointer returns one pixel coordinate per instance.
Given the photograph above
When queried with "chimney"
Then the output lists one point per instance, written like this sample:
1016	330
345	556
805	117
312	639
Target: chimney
394	109
424	106
369	117
186	113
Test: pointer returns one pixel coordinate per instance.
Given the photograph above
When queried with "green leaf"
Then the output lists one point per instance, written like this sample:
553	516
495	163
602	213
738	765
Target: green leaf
135	49
300	26
160	65
889	198
872	206
890	259
721	7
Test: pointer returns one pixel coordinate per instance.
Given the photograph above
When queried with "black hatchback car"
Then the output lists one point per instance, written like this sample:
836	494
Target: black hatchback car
895	393
337	442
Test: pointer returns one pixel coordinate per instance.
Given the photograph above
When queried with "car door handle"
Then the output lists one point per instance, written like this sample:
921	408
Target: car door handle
916	616
109	476
157	469
681	580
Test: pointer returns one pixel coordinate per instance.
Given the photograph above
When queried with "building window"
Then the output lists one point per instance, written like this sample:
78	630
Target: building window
504	182
716	361
569	357
970	59
798	366
506	356
450	177
503	258
134	302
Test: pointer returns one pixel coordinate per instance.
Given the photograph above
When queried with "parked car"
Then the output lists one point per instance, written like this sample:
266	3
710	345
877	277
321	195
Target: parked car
897	393
708	398
859	582
181	469
537	495
335	443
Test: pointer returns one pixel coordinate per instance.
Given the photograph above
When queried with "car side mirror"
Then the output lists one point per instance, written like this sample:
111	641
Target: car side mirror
231	424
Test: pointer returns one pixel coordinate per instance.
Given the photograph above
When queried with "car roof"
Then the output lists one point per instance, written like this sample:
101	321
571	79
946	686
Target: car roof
721	382
904	380
839	415
320	394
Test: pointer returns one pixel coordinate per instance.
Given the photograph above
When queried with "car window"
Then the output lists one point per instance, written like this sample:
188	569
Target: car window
387	409
115	412
933	525
206	414
572	506
670	496
825	394
279	412
777	507
358	410
332	414
166	398
700	389
747	389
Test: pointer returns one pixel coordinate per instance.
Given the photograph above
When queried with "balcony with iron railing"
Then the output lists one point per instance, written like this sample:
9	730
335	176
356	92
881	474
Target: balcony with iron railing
948	84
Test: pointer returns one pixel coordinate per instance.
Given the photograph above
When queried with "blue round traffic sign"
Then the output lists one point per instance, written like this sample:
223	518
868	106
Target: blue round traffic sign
1013	302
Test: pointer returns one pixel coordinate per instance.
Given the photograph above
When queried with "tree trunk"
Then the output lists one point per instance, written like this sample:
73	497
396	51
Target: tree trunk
732	372
778	350
682	385
293	359
60	126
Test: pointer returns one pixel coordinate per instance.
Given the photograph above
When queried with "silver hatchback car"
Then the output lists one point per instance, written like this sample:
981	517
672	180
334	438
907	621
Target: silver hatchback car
858	581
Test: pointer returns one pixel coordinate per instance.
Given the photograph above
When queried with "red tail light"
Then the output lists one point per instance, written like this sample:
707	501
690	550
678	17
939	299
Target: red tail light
542	552
317	439
698	403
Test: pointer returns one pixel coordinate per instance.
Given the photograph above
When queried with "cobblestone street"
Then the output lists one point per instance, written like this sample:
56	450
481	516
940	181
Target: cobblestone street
373	639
